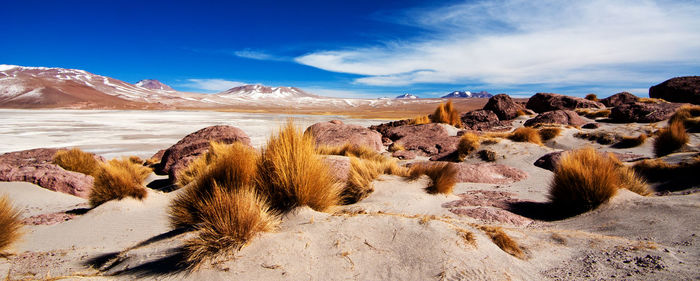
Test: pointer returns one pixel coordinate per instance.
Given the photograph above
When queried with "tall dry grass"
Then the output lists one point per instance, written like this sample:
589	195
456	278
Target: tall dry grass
197	167
77	160
689	115
670	139
593	113
592	97
446	113
468	143
657	170
118	179
292	174
630	141
423	119
525	134
548	133
443	176
359	184
10	225
350	150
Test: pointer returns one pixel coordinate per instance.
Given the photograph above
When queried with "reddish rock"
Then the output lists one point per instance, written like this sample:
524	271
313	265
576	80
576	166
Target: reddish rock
484	120
426	139
339	166
679	89
643	112
35	166
503	106
486	173
491	215
619	99
543	102
404	154
487	206
385	127
564	117
336	133
179	155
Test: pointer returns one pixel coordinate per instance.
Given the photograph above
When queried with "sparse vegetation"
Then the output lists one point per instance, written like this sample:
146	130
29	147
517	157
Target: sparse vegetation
216	151
446	113
468	143
487	155
10	225
291	174
689	115
548	133
503	241
118	179
651	100
525	134
359	184
632	182
443	176
670	139
593	113
77	160
657	170
423	119
629	141
600	137
592	97
396	147
350	150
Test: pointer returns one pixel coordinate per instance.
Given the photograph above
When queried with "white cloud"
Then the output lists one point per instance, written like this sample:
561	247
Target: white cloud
513	42
337	93
211	85
253	54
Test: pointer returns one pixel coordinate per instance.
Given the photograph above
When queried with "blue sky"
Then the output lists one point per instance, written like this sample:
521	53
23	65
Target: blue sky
364	48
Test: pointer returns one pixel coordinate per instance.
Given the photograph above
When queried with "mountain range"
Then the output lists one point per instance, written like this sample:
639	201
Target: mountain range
467	94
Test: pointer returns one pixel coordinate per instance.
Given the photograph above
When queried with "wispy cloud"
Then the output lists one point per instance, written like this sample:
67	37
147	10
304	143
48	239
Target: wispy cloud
211	85
254	54
342	93
520	42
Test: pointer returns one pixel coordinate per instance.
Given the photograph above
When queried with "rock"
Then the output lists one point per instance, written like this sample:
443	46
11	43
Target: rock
35	166
550	161
503	106
619	99
178	156
336	133
404	154
543	102
679	89
592	125
425	139
564	117
643	112
339	166
492	215
385	127
484	120
488	173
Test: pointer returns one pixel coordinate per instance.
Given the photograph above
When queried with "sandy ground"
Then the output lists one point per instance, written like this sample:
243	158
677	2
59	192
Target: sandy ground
399	232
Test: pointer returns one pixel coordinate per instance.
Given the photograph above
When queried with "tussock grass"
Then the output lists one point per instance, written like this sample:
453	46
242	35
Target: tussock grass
548	133
487	155
629	141
291	174
600	137
230	220
423	119
443	176
77	160
216	151
468	143
118	179
396	147
503	241
657	170
350	150
521	112
10	225
593	113
446	113
651	100
633	182
689	115
232	167
670	139
363	172
525	134
592	97
136	160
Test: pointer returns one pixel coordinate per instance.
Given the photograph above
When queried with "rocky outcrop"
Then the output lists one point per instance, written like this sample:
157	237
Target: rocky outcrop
385	127
487	173
643	112
178	156
425	139
404	154
503	106
619	99
484	120
564	117
679	89
337	133
35	166
543	102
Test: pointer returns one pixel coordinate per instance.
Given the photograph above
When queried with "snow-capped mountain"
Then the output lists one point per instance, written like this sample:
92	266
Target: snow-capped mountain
258	92
467	94
407	96
153	84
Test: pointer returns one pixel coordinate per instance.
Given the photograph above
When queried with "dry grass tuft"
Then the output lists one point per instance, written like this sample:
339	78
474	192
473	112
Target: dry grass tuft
359	184
651	100
291	174
446	113
689	115
136	160
656	170
521	112
423	119
629	141
443	176
350	150
467	236
549	133
600	137
77	160
632	182
503	241
230	220
231	167
592	97
670	139
216	151
118	179
525	134
10	225
468	143
487	155
593	113
396	147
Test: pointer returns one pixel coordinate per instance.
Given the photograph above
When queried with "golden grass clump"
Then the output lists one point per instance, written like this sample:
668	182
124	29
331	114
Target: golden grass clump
10	225
446	113
592	97
526	134
521	112
468	143
670	139
657	170
593	113
197	167
230	220
443	176
231	167
548	133
291	174
629	141
651	100
689	115
396	147
350	150
118	179
77	160
359	184
503	241
423	119
633	182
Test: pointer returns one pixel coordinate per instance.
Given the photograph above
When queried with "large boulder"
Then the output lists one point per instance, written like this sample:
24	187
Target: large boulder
643	112
178	156
35	166
483	120
503	106
679	89
543	102
564	117
619	99
336	133
385	127
339	166
425	139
